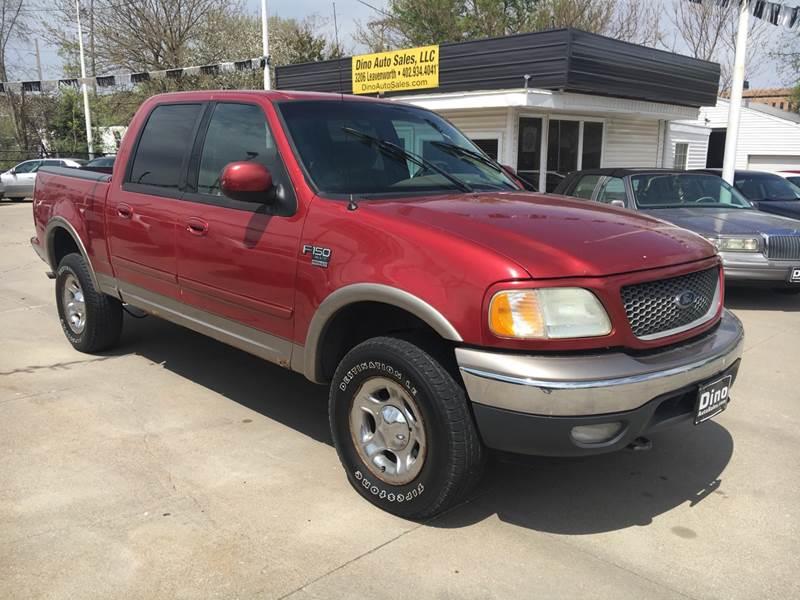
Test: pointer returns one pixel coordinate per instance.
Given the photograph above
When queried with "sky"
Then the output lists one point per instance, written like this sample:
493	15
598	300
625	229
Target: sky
349	12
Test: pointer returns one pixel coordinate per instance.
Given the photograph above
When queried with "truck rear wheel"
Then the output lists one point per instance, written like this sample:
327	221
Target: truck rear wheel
91	320
403	429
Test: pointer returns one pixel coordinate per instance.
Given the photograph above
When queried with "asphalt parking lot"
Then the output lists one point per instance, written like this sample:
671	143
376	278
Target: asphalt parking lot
177	467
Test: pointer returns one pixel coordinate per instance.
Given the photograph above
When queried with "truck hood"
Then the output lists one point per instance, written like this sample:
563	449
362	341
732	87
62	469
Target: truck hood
553	236
731	221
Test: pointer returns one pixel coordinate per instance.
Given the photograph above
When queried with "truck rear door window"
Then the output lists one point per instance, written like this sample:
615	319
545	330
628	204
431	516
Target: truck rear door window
163	146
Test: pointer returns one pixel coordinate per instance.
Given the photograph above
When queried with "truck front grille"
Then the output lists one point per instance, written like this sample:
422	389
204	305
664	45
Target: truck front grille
660	308
783	247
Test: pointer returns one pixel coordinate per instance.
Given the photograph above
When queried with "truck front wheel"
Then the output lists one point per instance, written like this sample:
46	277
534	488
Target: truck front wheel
91	320
403	429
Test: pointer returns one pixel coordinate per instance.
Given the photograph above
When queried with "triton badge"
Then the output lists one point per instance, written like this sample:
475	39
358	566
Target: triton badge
320	257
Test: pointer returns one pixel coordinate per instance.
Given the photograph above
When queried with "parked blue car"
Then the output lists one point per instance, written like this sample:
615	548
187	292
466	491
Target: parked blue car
768	192
756	247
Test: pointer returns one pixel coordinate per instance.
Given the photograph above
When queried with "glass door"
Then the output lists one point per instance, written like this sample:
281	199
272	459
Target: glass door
529	150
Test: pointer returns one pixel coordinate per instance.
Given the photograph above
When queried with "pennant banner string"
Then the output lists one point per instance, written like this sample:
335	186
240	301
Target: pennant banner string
124	79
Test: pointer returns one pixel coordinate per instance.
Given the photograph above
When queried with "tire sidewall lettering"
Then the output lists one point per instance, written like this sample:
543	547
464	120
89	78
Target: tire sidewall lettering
374	488
382	368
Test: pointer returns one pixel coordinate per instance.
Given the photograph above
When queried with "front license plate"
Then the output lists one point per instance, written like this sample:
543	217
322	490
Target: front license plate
712	398
794	275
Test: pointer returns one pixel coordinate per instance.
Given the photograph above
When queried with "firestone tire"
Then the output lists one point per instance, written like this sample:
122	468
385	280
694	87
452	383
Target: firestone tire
403	429
91	320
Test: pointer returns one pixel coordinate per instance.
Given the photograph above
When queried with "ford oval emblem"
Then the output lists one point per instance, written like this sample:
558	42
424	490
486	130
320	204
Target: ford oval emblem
685	299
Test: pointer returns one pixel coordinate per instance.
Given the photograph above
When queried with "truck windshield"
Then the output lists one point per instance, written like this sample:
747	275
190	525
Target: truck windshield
431	155
672	190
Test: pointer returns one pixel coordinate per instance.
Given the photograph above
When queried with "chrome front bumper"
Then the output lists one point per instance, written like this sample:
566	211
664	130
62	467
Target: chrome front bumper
596	384
741	266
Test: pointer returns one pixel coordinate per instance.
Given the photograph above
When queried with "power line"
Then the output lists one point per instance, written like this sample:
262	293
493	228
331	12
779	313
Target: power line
68	11
375	8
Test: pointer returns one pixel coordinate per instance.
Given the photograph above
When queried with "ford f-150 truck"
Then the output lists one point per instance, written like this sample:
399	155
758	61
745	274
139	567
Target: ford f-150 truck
372	247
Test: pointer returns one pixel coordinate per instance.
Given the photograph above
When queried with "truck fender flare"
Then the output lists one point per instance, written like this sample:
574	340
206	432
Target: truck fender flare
49	234
365	292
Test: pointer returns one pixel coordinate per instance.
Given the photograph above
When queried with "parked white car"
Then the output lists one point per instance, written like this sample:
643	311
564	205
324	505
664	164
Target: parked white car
17	183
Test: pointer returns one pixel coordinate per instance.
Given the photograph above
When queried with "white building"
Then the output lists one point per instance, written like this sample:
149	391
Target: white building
541	131
769	138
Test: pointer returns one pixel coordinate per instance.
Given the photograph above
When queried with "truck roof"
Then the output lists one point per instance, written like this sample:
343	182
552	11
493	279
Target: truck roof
269	94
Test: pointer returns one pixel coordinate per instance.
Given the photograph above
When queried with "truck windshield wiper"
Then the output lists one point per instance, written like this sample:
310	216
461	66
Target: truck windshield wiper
396	151
461	151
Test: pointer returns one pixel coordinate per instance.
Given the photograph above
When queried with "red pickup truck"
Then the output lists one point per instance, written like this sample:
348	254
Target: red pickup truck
372	247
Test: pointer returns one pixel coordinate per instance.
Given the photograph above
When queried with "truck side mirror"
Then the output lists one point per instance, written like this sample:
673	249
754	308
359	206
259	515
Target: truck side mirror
248	182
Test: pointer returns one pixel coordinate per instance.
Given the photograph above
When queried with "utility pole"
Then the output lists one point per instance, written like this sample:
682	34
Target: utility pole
38	60
265	43
92	60
735	105
86	114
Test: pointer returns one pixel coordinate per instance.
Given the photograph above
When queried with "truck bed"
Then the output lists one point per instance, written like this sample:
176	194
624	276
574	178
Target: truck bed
76	197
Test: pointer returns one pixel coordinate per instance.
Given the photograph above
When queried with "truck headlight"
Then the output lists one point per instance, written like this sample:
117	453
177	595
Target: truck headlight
554	313
737	244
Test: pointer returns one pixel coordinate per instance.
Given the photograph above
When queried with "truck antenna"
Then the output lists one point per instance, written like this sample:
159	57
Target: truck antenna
352	205
338	50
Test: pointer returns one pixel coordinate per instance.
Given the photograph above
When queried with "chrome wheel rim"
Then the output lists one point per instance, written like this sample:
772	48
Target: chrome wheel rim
74	305
388	431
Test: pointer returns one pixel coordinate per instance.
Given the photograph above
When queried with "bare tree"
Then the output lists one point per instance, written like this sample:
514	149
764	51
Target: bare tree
636	21
13	25
708	30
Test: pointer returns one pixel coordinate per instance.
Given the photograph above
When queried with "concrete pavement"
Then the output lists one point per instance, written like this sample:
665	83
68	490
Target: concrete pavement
177	467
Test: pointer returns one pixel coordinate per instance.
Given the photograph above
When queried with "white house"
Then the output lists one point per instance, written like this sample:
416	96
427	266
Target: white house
769	138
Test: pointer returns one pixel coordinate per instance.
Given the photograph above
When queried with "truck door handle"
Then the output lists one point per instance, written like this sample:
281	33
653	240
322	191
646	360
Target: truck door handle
124	211
197	226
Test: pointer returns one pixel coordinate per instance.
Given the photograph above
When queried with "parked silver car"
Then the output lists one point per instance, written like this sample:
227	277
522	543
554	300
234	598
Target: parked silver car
17	183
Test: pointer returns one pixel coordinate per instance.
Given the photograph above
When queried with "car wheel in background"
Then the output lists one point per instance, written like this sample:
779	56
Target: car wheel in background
403	429
91	320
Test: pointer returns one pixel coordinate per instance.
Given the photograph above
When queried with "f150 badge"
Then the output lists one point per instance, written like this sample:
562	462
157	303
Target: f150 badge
320	256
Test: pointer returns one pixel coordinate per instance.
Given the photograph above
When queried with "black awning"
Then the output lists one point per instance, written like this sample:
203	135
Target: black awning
560	59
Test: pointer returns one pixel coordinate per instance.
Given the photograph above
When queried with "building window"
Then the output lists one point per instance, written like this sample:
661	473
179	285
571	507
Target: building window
592	145
781	105
681	155
490	146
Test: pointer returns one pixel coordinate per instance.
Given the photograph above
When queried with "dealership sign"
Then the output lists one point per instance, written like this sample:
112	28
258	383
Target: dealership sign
396	71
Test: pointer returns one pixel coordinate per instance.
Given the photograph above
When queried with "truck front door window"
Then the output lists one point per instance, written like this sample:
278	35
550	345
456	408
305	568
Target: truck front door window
237	132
